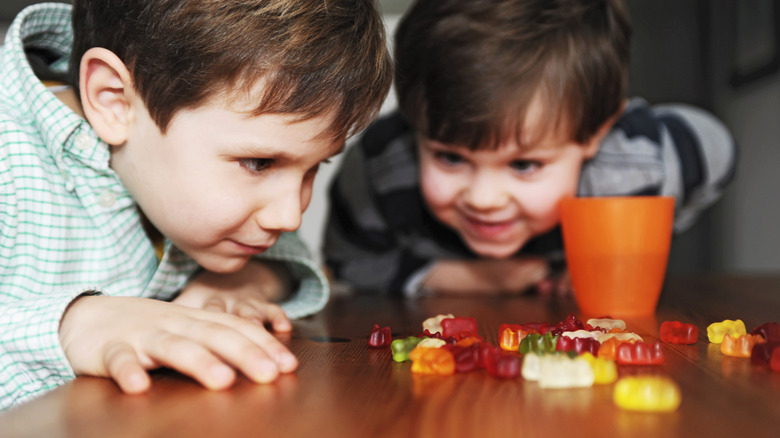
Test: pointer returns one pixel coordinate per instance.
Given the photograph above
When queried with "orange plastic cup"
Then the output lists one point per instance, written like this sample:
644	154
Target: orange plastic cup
617	250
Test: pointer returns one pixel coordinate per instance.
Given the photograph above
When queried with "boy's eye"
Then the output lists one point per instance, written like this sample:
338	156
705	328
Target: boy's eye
255	165
525	166
449	158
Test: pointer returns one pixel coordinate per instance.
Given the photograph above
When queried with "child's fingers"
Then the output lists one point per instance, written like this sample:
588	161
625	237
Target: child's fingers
264	313
275	350
285	361
545	287
215	304
191	357
532	273
123	366
279	320
246	346
564	286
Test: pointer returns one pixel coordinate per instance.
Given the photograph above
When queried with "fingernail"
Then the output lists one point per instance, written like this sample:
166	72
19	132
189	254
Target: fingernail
137	383
287	362
220	375
264	371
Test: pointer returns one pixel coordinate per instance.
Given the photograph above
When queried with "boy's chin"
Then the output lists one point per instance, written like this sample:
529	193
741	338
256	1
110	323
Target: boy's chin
221	265
495	251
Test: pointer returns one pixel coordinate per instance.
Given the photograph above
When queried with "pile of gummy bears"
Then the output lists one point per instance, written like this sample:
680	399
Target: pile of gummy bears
573	354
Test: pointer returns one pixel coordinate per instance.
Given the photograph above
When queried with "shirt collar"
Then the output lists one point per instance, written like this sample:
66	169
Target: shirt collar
48	25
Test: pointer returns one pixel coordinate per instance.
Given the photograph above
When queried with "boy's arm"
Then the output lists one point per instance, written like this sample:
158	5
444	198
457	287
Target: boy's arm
361	247
249	293
284	282
672	150
310	289
486	276
31	359
707	155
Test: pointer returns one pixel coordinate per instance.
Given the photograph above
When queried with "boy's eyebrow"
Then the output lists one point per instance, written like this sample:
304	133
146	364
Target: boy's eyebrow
544	146
271	151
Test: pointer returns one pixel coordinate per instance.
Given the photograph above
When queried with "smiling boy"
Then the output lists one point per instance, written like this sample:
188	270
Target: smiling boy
191	126
505	108
497	199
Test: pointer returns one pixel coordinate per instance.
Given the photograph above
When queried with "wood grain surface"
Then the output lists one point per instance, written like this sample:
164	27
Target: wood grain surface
344	389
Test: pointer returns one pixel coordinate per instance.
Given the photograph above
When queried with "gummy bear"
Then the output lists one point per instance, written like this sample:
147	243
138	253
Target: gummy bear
770	331
604	370
380	337
562	371
607	323
717	330
578	345
432	361
640	353
676	332
433	324
538	343
739	346
459	327
402	347
647	393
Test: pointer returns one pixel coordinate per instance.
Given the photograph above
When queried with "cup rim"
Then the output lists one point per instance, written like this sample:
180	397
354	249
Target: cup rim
615	198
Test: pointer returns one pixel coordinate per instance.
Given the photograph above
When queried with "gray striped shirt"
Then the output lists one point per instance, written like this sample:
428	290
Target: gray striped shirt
381	237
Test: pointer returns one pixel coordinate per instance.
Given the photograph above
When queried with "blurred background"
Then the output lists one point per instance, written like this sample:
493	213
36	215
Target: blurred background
721	55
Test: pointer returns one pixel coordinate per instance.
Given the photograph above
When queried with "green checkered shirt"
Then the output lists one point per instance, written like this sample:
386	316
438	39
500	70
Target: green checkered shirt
67	224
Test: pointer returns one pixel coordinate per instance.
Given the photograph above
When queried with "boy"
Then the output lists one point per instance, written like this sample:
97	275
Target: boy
202	122
505	107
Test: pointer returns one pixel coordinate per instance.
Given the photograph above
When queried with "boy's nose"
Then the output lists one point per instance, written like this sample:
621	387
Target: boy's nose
284	213
485	192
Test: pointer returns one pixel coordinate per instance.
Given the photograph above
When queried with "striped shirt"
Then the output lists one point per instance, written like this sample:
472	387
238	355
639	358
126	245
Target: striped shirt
381	237
68	225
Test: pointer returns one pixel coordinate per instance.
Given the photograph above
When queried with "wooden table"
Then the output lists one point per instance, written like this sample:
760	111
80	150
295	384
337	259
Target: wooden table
344	389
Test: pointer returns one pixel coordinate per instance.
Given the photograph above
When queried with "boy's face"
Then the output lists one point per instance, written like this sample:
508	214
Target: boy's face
223	185
498	199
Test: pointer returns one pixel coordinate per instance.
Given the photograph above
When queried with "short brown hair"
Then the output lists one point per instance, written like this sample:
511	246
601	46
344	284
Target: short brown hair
467	70
315	57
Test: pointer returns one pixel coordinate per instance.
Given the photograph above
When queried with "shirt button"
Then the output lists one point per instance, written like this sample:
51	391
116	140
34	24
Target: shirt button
107	199
83	141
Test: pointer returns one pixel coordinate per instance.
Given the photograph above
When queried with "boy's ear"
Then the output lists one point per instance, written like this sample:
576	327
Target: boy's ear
592	146
107	95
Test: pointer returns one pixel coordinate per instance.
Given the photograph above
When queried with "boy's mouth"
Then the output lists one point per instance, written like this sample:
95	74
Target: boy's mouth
487	230
251	249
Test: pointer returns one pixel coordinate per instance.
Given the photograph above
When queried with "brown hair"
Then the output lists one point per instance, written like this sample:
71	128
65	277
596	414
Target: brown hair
315	57
467	70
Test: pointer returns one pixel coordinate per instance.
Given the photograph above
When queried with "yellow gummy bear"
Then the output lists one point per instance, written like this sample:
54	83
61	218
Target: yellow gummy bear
604	370
647	393
717	330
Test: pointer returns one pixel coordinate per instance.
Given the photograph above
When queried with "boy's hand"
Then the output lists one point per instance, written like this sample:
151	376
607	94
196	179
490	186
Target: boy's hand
123	337
485	276
559	285
247	293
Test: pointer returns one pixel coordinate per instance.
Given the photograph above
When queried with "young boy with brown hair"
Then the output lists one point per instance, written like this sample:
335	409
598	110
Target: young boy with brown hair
195	124
505	107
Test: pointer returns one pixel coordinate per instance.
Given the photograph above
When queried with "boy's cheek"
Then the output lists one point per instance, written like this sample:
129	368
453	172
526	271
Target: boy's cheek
436	191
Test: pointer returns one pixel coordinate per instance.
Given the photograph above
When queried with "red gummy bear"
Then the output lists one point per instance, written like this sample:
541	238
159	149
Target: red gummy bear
380	337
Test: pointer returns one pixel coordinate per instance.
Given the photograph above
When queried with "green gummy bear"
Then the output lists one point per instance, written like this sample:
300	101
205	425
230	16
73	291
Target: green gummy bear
539	344
402	347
